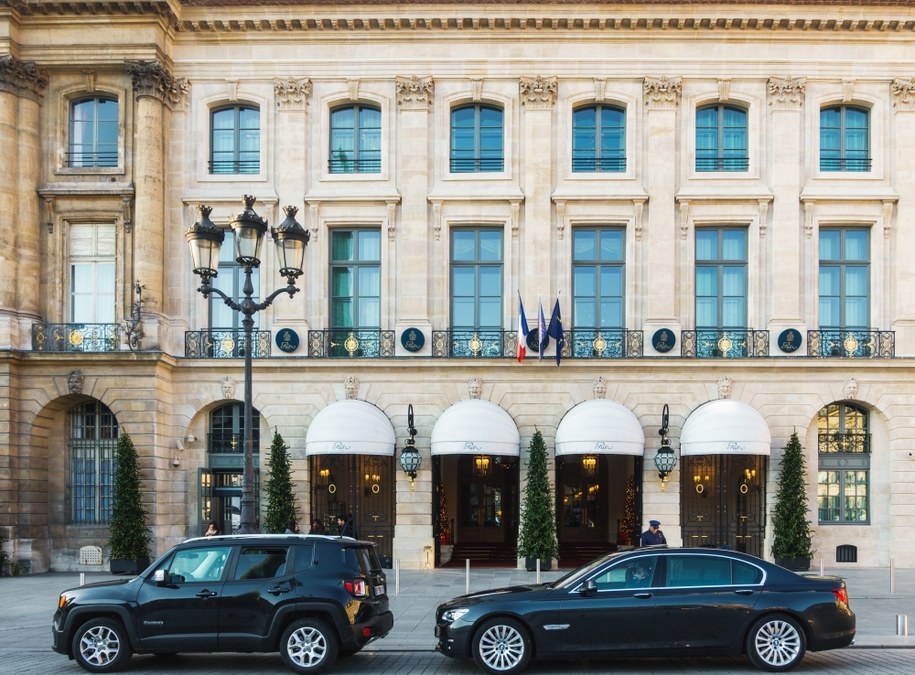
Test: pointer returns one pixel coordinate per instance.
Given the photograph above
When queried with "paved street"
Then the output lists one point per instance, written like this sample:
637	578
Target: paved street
28	604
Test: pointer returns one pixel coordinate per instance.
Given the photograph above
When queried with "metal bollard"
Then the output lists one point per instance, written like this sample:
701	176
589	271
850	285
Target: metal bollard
82	578
397	577
467	582
902	624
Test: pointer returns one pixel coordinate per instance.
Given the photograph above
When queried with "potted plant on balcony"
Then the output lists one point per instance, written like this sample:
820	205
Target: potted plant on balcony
537	536
791	543
129	541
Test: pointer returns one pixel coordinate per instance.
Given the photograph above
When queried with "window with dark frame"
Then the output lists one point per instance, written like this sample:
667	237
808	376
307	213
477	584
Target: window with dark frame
845	138
844	452
599	139
355	139
721	138
476	278
93	133
235	140
93	439
477	139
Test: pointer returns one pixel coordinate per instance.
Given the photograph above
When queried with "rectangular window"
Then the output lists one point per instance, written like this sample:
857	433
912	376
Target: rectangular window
844	139
844	278
598	277
599	139
721	139
93	138
355	140
92	281
476	139
235	140
92	444
844	446
721	278
476	279
355	279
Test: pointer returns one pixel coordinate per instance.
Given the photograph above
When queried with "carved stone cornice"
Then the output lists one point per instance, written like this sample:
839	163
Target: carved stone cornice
903	91
150	78
538	93
787	93
414	93
662	92
292	93
22	78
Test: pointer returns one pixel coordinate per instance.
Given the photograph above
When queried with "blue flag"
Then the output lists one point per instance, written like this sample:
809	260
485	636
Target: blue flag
541	328
555	331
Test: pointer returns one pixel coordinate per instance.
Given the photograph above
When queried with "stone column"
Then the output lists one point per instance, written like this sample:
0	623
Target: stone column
787	241
290	152
21	87
662	239
538	98
410	252
901	304
154	89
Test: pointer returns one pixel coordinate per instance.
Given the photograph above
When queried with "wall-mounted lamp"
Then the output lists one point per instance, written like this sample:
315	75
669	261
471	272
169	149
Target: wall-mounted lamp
665	460
700	483
589	464
410	459
481	465
190	438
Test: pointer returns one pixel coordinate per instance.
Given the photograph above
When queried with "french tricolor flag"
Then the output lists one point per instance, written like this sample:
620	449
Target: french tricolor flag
522	330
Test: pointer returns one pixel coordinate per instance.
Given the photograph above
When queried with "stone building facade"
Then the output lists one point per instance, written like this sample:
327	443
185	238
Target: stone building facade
718	197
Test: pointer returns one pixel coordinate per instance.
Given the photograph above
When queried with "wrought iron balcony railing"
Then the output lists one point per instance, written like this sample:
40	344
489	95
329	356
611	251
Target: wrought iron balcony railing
476	165
724	343
581	163
225	343
847	441
845	163
722	163
76	337
860	344
227	442
606	343
234	166
352	343
364	165
474	344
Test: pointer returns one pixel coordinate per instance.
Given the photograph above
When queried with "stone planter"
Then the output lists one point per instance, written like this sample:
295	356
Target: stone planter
530	564
121	566
794	564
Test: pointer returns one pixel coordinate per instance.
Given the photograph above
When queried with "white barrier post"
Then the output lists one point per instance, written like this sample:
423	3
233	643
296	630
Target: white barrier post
892	576
538	570
82	578
902	624
821	567
467	581
397	577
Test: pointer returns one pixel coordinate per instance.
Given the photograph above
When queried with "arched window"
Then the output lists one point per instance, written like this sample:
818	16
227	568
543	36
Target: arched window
355	139
845	139
598	139
476	139
844	444
93	138
93	439
721	139
235	140
227	429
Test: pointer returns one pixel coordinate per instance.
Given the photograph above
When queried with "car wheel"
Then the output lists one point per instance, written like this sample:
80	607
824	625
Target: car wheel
101	646
501	646
308	646
776	643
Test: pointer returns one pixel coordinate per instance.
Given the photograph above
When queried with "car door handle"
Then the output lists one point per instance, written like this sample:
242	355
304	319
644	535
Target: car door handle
744	591
641	596
206	594
277	590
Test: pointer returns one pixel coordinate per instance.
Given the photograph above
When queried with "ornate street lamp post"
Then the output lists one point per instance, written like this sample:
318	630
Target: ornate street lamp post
665	460
205	240
410	458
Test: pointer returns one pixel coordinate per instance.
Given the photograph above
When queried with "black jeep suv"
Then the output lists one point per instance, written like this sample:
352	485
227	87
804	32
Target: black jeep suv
308	597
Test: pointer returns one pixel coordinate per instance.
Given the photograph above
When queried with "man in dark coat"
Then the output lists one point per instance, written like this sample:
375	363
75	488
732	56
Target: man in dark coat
345	526
653	536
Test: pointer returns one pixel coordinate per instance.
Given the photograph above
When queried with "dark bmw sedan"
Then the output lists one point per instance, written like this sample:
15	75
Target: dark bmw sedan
658	602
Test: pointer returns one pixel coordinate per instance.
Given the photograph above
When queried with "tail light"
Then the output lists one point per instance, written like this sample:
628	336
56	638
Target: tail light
841	594
356	587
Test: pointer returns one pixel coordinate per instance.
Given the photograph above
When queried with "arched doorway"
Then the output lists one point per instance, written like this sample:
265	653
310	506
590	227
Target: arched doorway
724	447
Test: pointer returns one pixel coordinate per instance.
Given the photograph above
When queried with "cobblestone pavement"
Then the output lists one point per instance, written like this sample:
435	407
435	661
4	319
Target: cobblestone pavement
877	597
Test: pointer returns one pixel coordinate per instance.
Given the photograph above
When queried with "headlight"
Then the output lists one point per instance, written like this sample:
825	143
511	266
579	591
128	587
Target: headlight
452	615
62	601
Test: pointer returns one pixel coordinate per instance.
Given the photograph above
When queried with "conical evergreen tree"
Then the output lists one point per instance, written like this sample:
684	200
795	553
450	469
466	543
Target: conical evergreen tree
537	536
791	529
129	532
627	534
280	493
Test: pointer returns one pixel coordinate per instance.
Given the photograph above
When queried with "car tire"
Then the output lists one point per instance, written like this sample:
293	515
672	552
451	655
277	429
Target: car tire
308	646
776	643
101	646
501	646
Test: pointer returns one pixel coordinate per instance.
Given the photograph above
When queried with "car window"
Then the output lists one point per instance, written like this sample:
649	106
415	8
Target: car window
304	557
197	565
261	562
635	573
698	571
747	574
362	558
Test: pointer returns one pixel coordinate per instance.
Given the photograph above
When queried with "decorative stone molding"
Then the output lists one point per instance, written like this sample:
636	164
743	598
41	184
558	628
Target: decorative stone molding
437	218
476	89
392	218
888	205
787	93
599	387
516	217
351	387
538	93
809	206
75	381
600	89
848	91
763	217
560	219
414	93
684	219
353	86
903	91
724	90
850	390
90	76
232	90
127	212
150	78
638	207
725	387
22	78
662	92
474	387
228	387
291	93
314	212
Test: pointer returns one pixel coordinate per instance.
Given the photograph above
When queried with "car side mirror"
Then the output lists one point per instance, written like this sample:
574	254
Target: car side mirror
589	587
159	576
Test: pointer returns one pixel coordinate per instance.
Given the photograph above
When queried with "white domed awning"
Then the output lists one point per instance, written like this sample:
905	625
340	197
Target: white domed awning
476	427
600	427
725	427
350	427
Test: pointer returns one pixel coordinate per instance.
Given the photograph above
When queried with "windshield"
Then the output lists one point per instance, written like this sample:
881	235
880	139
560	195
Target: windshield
575	576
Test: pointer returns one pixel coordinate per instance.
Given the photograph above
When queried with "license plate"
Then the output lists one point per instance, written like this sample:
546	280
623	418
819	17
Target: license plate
379	589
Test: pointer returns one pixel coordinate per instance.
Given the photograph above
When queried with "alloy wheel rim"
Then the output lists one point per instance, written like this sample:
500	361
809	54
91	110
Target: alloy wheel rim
501	647
306	647
778	643
99	645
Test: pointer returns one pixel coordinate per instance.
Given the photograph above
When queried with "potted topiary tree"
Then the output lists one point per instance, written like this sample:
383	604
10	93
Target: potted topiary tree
537	537
129	541
791	542
280	493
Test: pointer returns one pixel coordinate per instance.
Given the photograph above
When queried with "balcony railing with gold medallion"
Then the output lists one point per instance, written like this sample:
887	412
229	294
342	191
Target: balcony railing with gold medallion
351	343
724	343
861	344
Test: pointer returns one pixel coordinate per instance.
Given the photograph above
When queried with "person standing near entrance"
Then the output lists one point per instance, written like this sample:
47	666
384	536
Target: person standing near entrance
653	535
345	526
